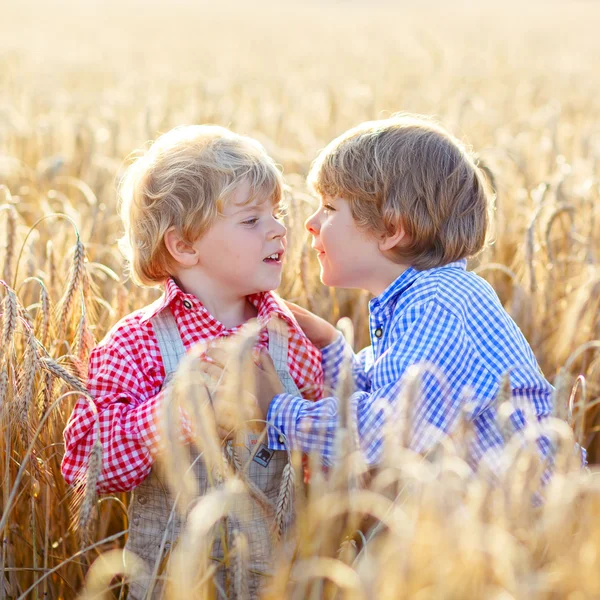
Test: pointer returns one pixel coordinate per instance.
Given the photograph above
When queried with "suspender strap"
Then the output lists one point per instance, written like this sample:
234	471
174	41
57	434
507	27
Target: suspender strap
169	340
278	349
172	349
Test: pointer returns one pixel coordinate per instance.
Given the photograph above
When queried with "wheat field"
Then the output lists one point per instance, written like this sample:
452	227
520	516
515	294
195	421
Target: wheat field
82	85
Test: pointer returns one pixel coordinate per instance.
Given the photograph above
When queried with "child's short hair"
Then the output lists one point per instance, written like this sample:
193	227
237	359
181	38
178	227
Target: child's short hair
182	181
409	169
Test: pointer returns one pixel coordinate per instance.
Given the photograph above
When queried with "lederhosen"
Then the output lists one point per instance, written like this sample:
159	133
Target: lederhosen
151	502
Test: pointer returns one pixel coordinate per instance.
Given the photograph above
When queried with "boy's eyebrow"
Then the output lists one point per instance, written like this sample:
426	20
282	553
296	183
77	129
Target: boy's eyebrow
251	207
245	209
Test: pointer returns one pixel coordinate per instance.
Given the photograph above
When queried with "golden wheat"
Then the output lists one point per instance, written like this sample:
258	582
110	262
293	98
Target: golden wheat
295	77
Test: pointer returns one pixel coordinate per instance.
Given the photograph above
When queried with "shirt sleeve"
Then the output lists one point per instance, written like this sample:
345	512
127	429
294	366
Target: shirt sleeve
126	408
426	401
333	357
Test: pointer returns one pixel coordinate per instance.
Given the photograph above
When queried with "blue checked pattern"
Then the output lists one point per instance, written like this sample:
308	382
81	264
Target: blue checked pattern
449	321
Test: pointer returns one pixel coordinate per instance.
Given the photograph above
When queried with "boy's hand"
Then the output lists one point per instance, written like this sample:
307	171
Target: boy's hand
317	330
231	412
227	413
268	384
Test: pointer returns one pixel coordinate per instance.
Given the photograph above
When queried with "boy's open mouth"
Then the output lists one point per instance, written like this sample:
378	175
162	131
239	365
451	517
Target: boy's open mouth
274	258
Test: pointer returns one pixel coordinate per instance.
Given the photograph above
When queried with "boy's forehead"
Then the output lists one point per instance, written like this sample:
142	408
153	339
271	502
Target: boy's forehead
246	203
323	198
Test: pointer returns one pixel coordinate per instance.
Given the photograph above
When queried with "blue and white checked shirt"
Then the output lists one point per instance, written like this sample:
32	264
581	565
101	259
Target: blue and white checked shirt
449	319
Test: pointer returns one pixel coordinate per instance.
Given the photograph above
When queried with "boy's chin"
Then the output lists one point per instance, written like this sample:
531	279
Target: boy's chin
330	280
337	280
269	286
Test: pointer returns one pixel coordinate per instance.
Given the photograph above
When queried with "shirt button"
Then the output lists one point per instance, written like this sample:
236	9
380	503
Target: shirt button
281	439
187	304
142	499
378	332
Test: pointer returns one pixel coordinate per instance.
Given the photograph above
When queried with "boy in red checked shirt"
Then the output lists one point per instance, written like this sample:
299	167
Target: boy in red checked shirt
201	216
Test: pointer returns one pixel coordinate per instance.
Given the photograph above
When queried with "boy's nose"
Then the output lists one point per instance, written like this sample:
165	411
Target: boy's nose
279	230
312	223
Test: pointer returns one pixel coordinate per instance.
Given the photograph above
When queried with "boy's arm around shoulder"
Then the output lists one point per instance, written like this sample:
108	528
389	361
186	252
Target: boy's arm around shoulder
126	398
429	335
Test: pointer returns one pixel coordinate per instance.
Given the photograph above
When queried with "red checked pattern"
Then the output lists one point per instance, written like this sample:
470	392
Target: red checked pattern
126	374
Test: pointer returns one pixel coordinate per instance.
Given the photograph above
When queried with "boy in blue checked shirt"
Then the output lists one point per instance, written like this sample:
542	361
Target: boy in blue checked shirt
403	205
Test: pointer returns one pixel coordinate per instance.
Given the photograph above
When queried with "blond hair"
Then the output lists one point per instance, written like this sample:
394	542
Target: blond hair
182	181
408	170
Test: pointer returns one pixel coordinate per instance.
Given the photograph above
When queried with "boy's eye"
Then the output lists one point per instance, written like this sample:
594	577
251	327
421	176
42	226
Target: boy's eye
251	221
328	208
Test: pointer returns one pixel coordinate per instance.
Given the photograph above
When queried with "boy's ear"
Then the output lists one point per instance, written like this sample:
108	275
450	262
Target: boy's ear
182	252
391	240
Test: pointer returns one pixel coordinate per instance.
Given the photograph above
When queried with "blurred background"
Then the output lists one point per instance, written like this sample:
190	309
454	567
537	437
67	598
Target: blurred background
84	84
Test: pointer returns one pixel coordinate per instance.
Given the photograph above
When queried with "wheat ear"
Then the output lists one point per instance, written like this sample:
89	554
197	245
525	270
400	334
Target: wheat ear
284	500
82	344
9	311
45	318
88	504
75	279
25	396
59	371
11	229
239	565
47	393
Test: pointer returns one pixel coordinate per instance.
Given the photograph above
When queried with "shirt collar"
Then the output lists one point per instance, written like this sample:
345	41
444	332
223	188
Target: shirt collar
172	291
405	281
268	304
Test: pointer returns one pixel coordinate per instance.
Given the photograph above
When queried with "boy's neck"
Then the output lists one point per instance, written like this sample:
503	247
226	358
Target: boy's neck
384	276
228	308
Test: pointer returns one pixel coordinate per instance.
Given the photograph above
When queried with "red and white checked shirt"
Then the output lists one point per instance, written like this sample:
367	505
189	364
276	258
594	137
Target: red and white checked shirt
126	373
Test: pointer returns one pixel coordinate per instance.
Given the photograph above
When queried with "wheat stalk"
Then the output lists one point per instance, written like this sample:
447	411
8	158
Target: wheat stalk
3	389
259	496
303	272
175	457
51	268
189	568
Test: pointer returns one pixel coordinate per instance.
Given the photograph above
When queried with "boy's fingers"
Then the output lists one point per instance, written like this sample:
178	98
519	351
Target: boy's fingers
224	433
268	368
265	362
296	310
213	371
217	356
291	305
